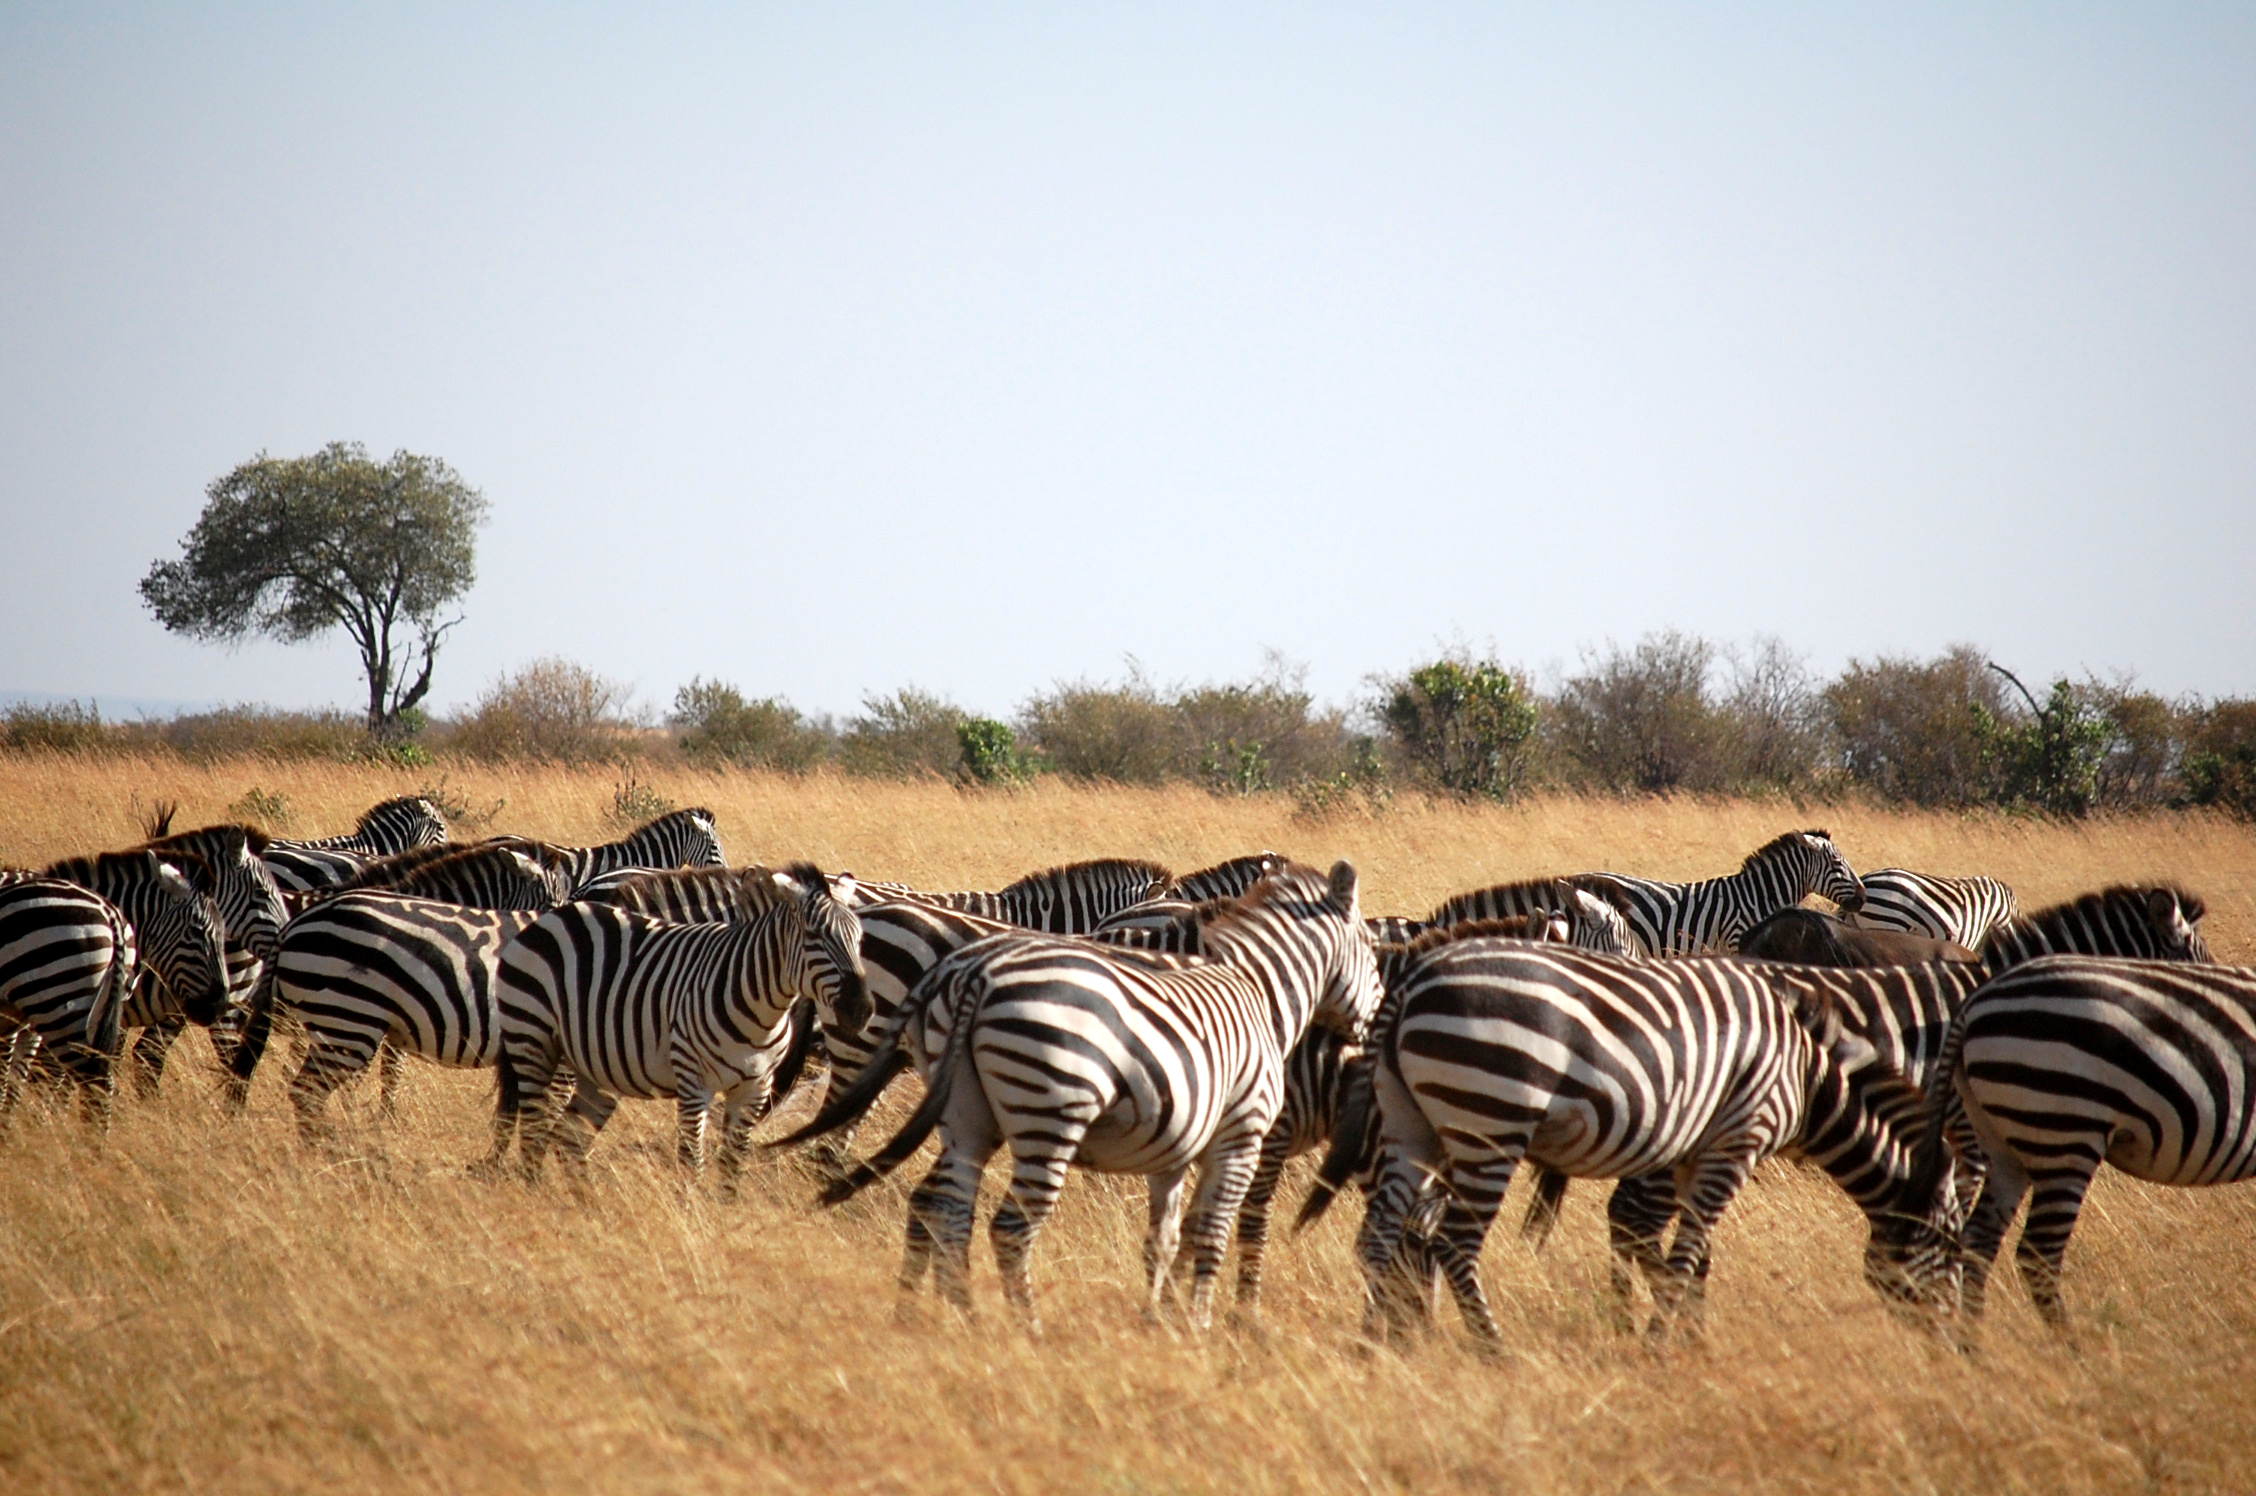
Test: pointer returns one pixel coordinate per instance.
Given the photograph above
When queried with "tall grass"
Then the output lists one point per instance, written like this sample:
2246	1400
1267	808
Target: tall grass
194	1303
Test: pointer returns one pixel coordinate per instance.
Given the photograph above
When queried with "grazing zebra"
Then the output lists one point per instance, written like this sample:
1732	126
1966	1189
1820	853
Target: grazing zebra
251	917
1960	909
66	965
1905	1012
679	838
504	874
394	826
1224	880
1593	923
1495	1051
2067	1062
635	1006
1681	919
1070	900
175	931
1125	1061
370	971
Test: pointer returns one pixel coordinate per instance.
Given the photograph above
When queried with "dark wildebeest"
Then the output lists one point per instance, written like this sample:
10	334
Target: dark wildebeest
1808	938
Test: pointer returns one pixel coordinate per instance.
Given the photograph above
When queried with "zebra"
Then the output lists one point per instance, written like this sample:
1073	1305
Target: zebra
397	825
636	1006
251	916
1224	880
382	972
1494	1051
2067	1062
508	873
679	838
1960	909
67	962
1125	1060
1906	1012
176	932
1593	922
1676	919
1072	899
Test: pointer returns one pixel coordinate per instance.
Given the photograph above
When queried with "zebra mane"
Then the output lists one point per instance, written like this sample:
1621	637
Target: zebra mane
2128	897
1781	843
191	867
1159	877
1225	879
166	843
1289	881
374	813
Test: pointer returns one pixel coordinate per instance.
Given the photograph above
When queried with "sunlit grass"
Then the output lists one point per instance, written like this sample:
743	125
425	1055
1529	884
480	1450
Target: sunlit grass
195	1303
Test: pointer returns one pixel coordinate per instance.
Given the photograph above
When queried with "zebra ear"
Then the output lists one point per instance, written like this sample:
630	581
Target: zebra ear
1344	884
1558	930
842	888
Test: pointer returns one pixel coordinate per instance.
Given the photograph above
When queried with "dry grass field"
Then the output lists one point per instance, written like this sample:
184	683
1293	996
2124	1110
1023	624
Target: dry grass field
194	1303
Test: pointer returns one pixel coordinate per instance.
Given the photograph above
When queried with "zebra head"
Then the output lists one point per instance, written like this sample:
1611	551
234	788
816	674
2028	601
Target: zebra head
1352	991
830	950
182	946
1596	924
2176	916
1813	865
700	839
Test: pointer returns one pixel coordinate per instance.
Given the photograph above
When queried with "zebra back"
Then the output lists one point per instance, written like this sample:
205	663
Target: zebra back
1224	880
1593	922
693	895
1675	919
67	961
396	825
1965	910
679	838
2160	922
487	875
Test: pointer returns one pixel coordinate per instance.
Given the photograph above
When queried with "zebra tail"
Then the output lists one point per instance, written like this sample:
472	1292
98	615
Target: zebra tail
1355	1140
1930	1157
1543	1210
927	1115
105	1026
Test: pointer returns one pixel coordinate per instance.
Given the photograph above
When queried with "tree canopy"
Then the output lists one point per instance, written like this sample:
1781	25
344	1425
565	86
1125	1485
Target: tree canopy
291	547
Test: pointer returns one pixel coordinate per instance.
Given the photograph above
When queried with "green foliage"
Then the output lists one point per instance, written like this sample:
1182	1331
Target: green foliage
634	802
1908	730
2220	760
1239	737
1125	734
1639	720
1464	723
551	711
292	547
904	735
990	752
2051	761
718	724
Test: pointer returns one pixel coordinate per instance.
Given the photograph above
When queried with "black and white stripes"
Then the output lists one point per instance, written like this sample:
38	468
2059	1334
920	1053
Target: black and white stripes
1678	919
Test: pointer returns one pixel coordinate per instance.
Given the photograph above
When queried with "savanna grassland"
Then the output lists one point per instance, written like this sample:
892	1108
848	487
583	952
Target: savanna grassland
195	1303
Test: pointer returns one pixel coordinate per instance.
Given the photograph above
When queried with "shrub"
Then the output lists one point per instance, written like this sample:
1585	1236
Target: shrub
990	753
257	732
1640	719
900	736
1908	730
717	725
1125	733
2050	759
2220	758
551	711
1247	736
1465	725
1772	722
2146	743
62	727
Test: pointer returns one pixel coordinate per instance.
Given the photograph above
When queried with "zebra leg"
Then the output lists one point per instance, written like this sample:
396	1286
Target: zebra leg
1225	1172
1038	1167
940	1217
2055	1200
1474	1193
1253	1215
694	1107
149	1053
1705	1192
744	1107
333	1056
574	1127
1161	1235
1638	1214
391	1060
1986	1225
22	1040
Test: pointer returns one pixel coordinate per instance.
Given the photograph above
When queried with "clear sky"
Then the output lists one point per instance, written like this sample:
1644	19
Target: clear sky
831	348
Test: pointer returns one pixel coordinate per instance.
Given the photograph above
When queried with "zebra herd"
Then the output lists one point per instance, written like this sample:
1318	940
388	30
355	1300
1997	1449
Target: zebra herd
1945	1058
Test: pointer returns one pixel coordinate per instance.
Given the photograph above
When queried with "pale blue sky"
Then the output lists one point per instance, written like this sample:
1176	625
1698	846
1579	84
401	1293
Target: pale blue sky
827	349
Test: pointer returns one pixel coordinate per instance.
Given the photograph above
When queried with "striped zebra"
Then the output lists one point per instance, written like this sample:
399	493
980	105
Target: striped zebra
1681	919
251	916
1906	1012
1494	1052
1960	909
1069	900
504	874
635	1006
1224	880
1593	922
1123	1060
2067	1062
66	965
176	932
380	972
394	826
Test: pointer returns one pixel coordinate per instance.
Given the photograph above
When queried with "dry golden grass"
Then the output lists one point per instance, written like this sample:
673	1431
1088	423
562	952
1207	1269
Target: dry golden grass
194	1303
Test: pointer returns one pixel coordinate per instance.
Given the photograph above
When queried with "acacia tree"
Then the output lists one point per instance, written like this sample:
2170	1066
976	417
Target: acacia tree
292	547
